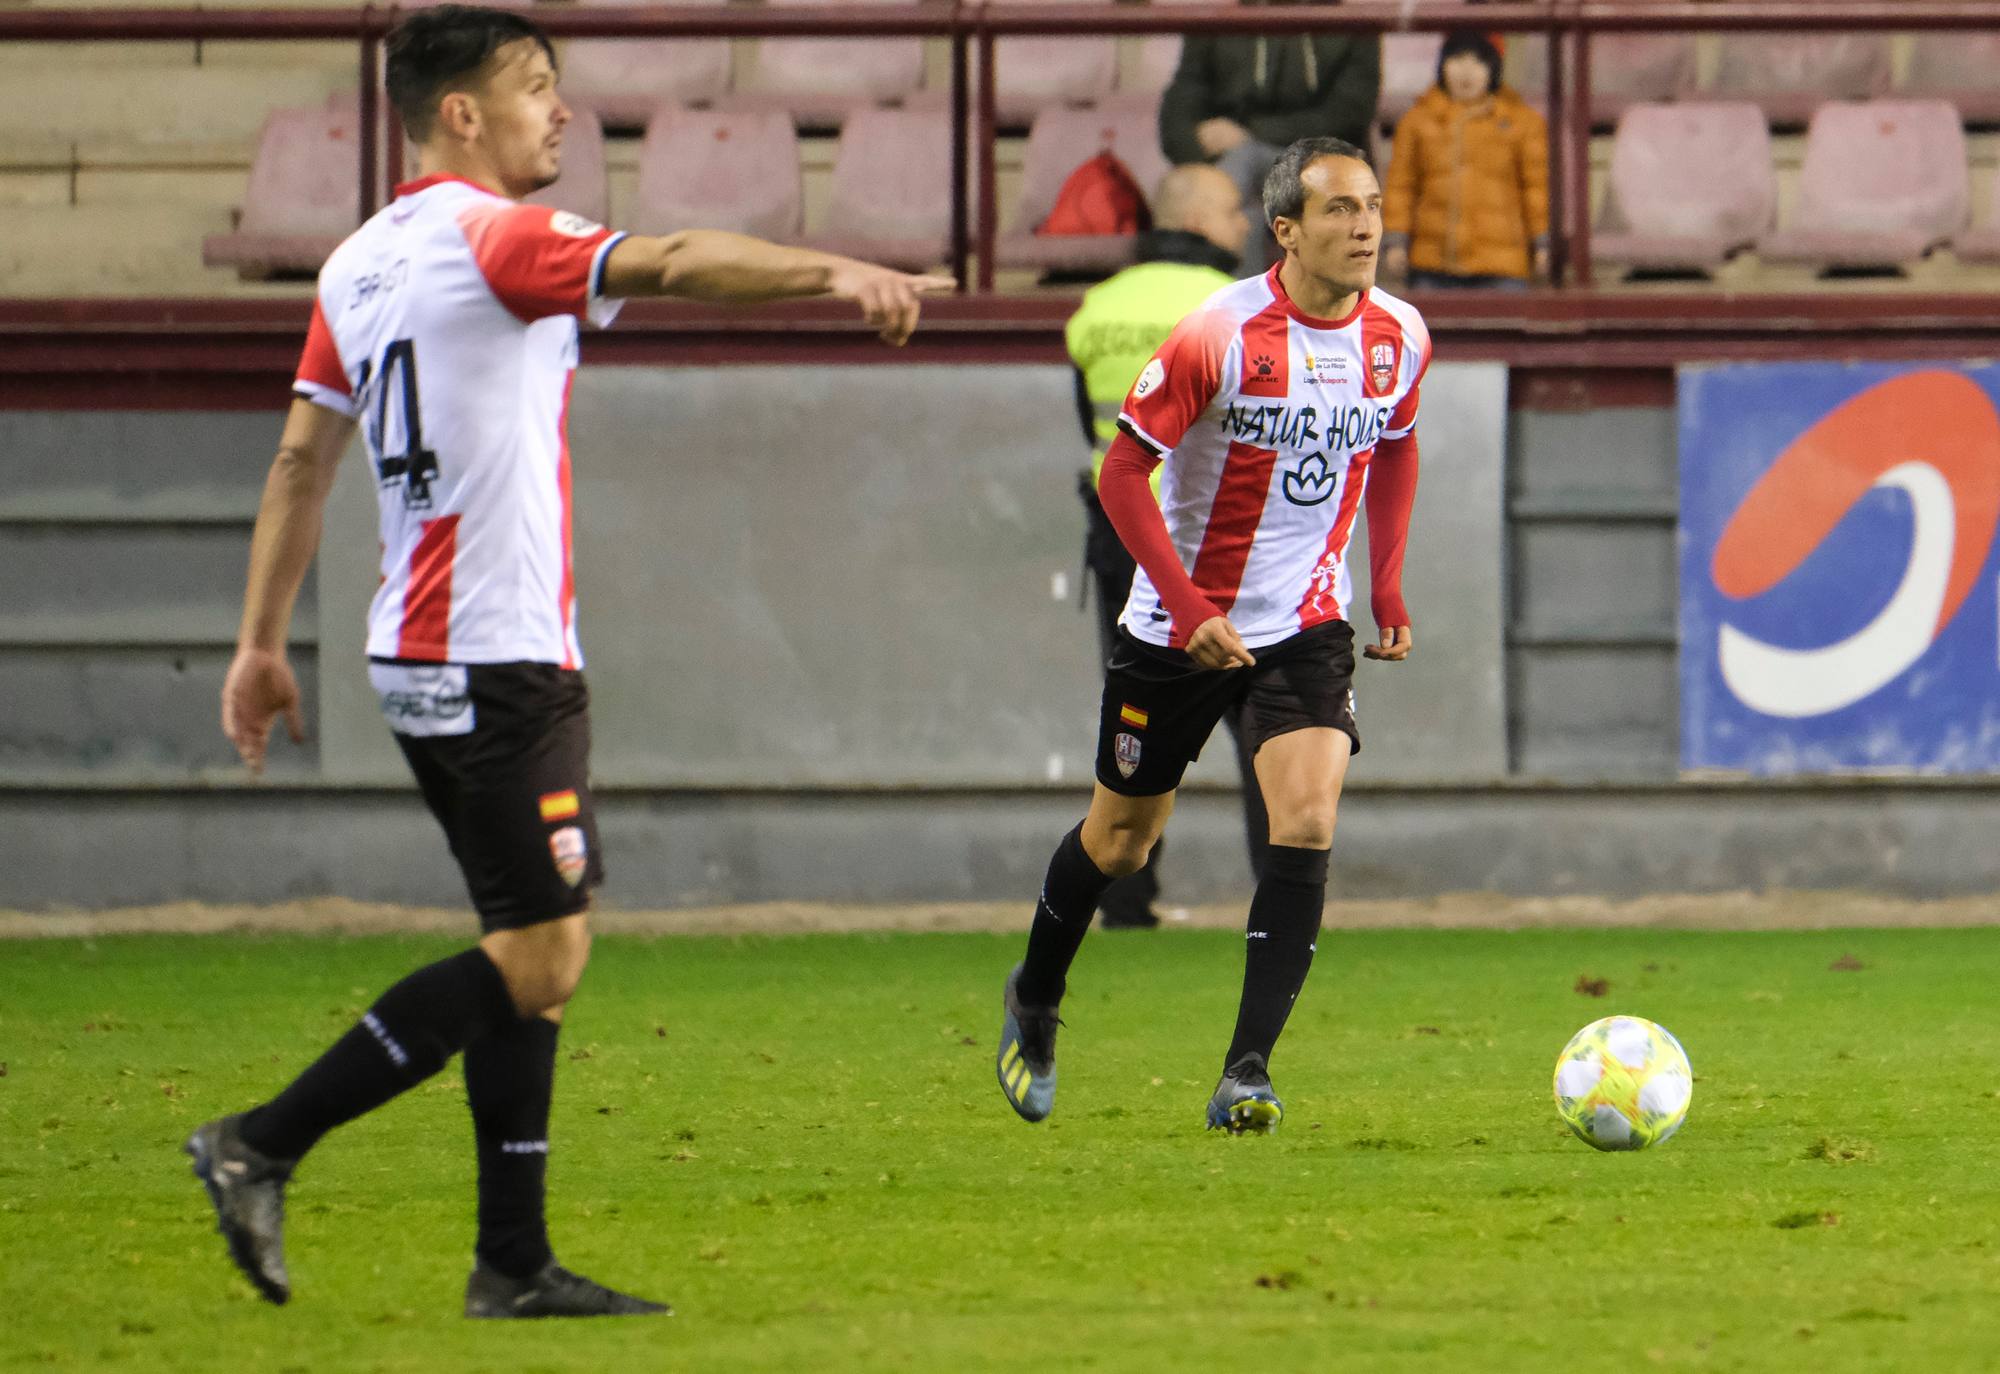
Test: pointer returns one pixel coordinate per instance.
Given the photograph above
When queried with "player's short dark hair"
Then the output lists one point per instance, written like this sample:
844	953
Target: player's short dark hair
434	48
1284	184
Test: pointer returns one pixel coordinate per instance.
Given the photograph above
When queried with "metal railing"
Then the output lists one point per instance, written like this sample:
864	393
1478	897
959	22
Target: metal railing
972	30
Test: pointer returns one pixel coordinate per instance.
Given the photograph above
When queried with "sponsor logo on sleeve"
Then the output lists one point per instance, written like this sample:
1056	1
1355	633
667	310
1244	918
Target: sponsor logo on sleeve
1150	379
574	225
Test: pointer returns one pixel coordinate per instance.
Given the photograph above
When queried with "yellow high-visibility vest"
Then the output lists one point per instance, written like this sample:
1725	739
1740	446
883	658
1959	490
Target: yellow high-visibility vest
1120	325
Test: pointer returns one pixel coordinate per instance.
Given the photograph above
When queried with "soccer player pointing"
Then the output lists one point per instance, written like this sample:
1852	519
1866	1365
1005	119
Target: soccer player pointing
446	327
1274	407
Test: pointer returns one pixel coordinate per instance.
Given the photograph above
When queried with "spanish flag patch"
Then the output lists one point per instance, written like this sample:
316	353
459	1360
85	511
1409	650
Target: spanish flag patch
559	806
1133	716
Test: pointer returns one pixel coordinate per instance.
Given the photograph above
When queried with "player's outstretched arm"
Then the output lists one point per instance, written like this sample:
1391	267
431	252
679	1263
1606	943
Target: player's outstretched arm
710	265
260	683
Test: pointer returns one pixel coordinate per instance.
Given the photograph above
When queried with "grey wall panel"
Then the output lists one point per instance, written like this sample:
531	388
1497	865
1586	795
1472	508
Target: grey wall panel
1621	452
1595	712
1577	578
1442	713
874	583
146	584
148	712
138	462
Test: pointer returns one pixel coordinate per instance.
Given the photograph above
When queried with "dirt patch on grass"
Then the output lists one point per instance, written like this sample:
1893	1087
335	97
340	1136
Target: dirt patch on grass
1471	911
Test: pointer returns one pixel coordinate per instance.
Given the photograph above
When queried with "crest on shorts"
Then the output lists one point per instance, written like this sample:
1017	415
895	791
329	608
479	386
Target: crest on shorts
571	854
1382	365
1125	749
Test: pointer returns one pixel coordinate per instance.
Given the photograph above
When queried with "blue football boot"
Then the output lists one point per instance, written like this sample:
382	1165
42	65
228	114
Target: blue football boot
1244	1103
1026	1063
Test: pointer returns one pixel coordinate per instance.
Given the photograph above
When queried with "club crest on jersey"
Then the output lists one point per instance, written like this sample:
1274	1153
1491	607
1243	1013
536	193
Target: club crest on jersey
1382	365
572	855
1125	751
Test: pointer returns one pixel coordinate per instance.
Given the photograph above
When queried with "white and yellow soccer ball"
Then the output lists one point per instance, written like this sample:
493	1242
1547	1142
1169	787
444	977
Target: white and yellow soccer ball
1623	1083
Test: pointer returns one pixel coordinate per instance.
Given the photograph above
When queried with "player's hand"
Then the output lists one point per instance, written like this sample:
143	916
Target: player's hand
1393	645
888	298
1396	263
1218	136
1215	644
259	688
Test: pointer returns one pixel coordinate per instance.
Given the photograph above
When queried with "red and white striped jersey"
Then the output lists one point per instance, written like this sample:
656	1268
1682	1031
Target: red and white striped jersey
1267	419
447	325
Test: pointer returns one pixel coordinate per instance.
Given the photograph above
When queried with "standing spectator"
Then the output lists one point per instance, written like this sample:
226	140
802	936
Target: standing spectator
1467	200
1237	99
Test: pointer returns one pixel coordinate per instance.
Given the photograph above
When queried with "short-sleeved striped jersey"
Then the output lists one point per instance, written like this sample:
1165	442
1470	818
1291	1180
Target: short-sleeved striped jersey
447	325
1267	419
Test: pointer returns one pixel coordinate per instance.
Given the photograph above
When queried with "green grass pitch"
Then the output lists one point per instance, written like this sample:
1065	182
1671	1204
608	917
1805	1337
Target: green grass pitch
799	1141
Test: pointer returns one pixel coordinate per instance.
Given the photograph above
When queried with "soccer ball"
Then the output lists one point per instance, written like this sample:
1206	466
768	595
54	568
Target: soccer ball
1623	1083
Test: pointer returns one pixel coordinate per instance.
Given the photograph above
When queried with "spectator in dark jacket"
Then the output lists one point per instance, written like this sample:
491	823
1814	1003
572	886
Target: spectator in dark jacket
1237	100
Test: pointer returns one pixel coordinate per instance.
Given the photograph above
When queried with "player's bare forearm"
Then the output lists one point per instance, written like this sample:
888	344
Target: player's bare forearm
711	265
288	522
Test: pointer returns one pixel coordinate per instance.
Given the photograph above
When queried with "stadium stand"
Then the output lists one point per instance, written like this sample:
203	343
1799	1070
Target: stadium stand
1884	182
1409	68
1059	142
304	194
890	197
1626	69
626	79
715	169
1963	68
1035	74
1690	184
1790	75
822	80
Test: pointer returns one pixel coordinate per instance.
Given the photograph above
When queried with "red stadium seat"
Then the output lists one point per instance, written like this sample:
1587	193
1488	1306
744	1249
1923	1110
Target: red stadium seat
1036	74
890	200
626	79
711	169
822	80
1884	182
1691	183
304	194
1626	69
1961	67
1982	245
1790	75
1059	142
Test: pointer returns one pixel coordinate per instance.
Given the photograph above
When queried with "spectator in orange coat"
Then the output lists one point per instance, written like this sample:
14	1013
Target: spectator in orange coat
1467	197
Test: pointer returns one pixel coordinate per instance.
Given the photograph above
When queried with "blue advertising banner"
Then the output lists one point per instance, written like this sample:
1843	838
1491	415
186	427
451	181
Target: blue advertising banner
1840	601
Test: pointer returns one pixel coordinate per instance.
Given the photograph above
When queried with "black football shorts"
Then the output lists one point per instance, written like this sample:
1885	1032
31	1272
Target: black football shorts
1159	708
501	752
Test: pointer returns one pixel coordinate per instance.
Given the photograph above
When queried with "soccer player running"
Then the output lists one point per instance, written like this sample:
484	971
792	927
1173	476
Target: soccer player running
446	326
1274	407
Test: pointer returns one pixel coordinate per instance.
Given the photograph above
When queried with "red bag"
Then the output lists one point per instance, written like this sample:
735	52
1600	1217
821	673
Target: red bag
1100	197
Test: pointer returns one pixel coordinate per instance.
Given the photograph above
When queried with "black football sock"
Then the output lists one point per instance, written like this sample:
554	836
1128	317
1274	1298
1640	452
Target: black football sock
1278	946
509	1079
403	1039
1062	918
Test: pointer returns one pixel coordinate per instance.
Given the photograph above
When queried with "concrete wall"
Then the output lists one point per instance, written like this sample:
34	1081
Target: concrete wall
835	648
